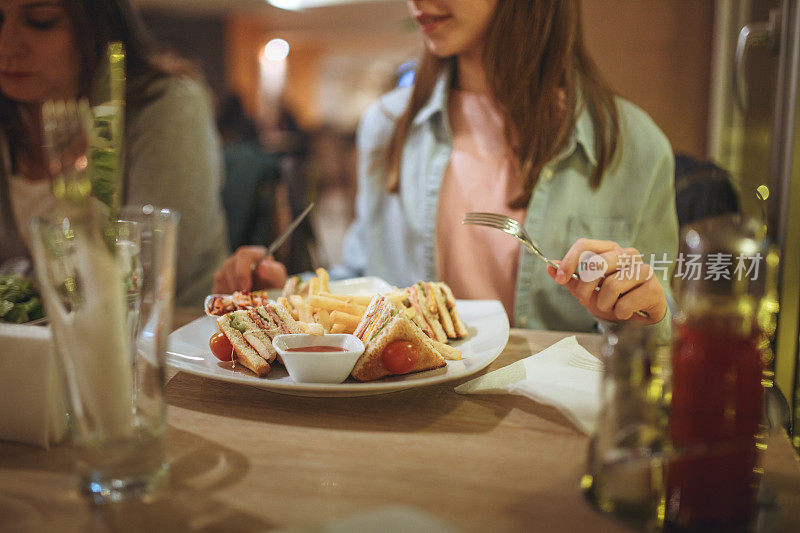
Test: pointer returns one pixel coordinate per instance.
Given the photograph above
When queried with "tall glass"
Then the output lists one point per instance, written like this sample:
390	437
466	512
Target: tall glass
625	461
108	291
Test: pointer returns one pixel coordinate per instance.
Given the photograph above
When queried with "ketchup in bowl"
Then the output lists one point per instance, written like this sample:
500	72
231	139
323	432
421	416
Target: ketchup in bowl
316	349
325	358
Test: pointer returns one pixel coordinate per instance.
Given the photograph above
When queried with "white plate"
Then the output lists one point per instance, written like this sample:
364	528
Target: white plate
488	333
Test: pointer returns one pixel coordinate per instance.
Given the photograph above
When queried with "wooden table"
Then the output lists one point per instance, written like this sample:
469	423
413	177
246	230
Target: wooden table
245	459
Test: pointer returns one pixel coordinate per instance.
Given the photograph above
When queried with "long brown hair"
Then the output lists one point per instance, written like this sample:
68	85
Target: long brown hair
533	52
96	23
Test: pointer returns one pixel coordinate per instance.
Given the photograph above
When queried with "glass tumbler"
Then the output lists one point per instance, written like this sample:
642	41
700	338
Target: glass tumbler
108	289
624	472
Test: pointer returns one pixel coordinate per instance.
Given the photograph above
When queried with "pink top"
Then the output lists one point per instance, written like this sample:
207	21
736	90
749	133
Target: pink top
477	262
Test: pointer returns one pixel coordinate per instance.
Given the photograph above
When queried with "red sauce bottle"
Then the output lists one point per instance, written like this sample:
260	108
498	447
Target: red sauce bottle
715	415
716	412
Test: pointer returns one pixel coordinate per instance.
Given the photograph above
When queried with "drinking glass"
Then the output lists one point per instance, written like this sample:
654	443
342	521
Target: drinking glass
108	290
625	459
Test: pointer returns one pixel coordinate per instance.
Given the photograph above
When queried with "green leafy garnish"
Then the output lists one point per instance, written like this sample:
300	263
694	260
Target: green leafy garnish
19	300
236	324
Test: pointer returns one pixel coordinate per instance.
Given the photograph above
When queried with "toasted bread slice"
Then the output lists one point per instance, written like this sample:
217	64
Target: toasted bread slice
431	318
245	353
458	324
266	330
419	316
370	365
435	294
288	320
447	351
255	335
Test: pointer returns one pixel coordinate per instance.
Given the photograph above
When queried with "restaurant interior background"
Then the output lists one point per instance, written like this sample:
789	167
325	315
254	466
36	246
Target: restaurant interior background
673	58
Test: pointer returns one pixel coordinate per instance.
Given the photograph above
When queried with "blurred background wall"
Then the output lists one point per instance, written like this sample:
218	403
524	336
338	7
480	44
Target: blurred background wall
658	54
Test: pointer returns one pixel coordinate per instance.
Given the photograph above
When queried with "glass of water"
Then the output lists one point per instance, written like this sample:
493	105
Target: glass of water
108	288
625	472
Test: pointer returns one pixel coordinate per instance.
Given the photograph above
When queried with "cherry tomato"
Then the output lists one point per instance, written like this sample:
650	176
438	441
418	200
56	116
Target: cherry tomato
221	347
400	357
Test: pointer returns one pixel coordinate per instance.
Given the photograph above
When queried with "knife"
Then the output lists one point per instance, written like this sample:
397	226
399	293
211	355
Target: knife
277	242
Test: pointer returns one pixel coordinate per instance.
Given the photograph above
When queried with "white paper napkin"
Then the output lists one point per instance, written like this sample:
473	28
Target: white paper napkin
32	401
387	519
563	375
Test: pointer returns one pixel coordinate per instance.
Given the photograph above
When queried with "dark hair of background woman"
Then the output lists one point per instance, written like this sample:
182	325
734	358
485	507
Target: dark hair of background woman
95	24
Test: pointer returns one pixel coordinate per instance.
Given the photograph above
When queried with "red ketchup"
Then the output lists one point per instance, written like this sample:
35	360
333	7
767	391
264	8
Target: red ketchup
715	414
315	349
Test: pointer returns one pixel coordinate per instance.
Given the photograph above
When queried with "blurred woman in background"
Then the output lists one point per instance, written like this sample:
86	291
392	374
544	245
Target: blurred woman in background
509	114
55	50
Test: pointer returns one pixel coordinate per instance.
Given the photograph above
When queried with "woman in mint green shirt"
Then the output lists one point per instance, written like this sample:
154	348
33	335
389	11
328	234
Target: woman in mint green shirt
595	173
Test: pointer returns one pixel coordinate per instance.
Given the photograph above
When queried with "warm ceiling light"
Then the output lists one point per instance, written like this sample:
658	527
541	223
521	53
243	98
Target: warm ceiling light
297	5
276	50
293	5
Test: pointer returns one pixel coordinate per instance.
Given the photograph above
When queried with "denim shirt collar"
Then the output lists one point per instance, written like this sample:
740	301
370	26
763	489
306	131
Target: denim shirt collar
436	106
437	103
583	133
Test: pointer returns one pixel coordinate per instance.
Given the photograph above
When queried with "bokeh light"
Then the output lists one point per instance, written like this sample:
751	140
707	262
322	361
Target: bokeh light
276	50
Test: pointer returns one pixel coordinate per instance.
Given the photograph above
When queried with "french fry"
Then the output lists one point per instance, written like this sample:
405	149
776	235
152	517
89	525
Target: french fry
313	328
415	317
313	286
323	317
360	300
324	277
303	311
285	302
290	287
334	304
349	321
339	328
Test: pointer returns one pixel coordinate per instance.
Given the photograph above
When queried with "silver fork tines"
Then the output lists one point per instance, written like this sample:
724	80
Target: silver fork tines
512	227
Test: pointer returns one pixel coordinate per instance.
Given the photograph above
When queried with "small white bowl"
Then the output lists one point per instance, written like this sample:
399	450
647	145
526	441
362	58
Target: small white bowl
207	304
319	367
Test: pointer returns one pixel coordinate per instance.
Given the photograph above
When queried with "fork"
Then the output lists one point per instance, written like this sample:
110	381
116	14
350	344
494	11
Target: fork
64	126
512	227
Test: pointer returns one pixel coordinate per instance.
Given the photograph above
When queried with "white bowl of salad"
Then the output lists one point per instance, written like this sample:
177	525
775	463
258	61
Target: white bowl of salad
20	302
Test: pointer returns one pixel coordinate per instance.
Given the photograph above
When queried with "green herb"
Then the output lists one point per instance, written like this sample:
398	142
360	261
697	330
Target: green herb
19	300
236	324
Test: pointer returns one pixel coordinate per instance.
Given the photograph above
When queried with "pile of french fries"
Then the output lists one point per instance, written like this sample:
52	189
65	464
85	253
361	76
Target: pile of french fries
322	311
